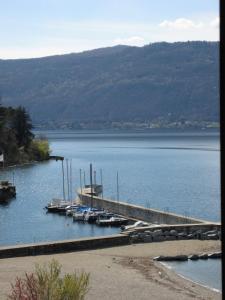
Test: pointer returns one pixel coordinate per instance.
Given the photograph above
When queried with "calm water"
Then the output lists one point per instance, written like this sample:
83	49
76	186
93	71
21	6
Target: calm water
206	272
168	171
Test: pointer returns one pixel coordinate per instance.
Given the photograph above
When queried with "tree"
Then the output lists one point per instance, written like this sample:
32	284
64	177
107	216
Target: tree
21	124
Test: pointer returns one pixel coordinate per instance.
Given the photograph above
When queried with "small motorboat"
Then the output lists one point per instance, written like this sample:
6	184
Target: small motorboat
135	225
70	209
79	213
57	206
111	220
92	215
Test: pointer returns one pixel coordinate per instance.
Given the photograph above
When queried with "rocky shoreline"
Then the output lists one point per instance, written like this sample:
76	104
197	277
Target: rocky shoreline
191	257
159	235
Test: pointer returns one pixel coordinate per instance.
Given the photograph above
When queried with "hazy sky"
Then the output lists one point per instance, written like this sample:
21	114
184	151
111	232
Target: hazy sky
34	28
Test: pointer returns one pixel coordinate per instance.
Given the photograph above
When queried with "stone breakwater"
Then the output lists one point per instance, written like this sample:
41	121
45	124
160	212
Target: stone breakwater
182	233
186	257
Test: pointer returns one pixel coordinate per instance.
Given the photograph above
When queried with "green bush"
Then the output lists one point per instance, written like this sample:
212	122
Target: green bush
39	148
46	284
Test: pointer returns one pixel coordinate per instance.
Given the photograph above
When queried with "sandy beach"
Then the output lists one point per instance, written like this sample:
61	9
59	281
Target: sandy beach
126	272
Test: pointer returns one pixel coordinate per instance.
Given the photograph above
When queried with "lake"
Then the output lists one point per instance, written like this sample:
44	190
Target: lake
206	272
176	172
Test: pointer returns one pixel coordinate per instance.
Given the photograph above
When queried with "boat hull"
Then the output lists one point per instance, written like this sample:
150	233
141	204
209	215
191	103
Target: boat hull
115	223
7	193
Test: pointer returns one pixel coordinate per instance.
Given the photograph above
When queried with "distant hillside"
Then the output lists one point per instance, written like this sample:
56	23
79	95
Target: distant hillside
169	81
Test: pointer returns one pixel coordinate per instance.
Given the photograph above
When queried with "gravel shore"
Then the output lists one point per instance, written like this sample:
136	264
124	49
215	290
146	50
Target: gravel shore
126	272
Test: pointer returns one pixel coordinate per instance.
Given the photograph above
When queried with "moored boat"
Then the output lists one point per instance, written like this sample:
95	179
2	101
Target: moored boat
57	206
70	209
79	213
111	220
92	215
135	225
7	190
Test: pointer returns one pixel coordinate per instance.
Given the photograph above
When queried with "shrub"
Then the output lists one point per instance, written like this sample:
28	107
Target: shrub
40	149
46	284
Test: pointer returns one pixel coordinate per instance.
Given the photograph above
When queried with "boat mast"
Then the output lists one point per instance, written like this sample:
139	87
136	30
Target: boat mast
63	178
101	181
94	177
81	183
117	188
91	185
67	178
117	185
84	179
71	190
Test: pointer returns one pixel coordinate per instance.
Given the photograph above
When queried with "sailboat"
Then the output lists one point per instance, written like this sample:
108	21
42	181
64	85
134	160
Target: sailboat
61	205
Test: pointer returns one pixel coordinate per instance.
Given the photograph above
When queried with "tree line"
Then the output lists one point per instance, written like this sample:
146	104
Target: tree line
17	142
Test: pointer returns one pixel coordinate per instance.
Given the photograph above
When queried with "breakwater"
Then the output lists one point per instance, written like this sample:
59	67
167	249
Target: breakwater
135	211
210	231
139	235
64	246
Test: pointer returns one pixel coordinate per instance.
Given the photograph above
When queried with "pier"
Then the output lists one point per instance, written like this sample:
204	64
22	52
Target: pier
134	211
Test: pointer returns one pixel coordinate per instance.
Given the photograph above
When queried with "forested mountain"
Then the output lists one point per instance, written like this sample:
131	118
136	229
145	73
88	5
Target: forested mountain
170	81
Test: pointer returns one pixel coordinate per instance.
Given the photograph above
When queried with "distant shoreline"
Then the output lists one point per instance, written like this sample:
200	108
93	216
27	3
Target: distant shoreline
129	126
39	131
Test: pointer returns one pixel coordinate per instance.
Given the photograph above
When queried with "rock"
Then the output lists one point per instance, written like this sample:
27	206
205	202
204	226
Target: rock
172	258
215	255
157	257
157	232
181	257
203	236
212	236
141	235
163	258
147	239
166	232
158	238
173	232
211	232
134	238
182	235
197	233
203	256
193	257
190	236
